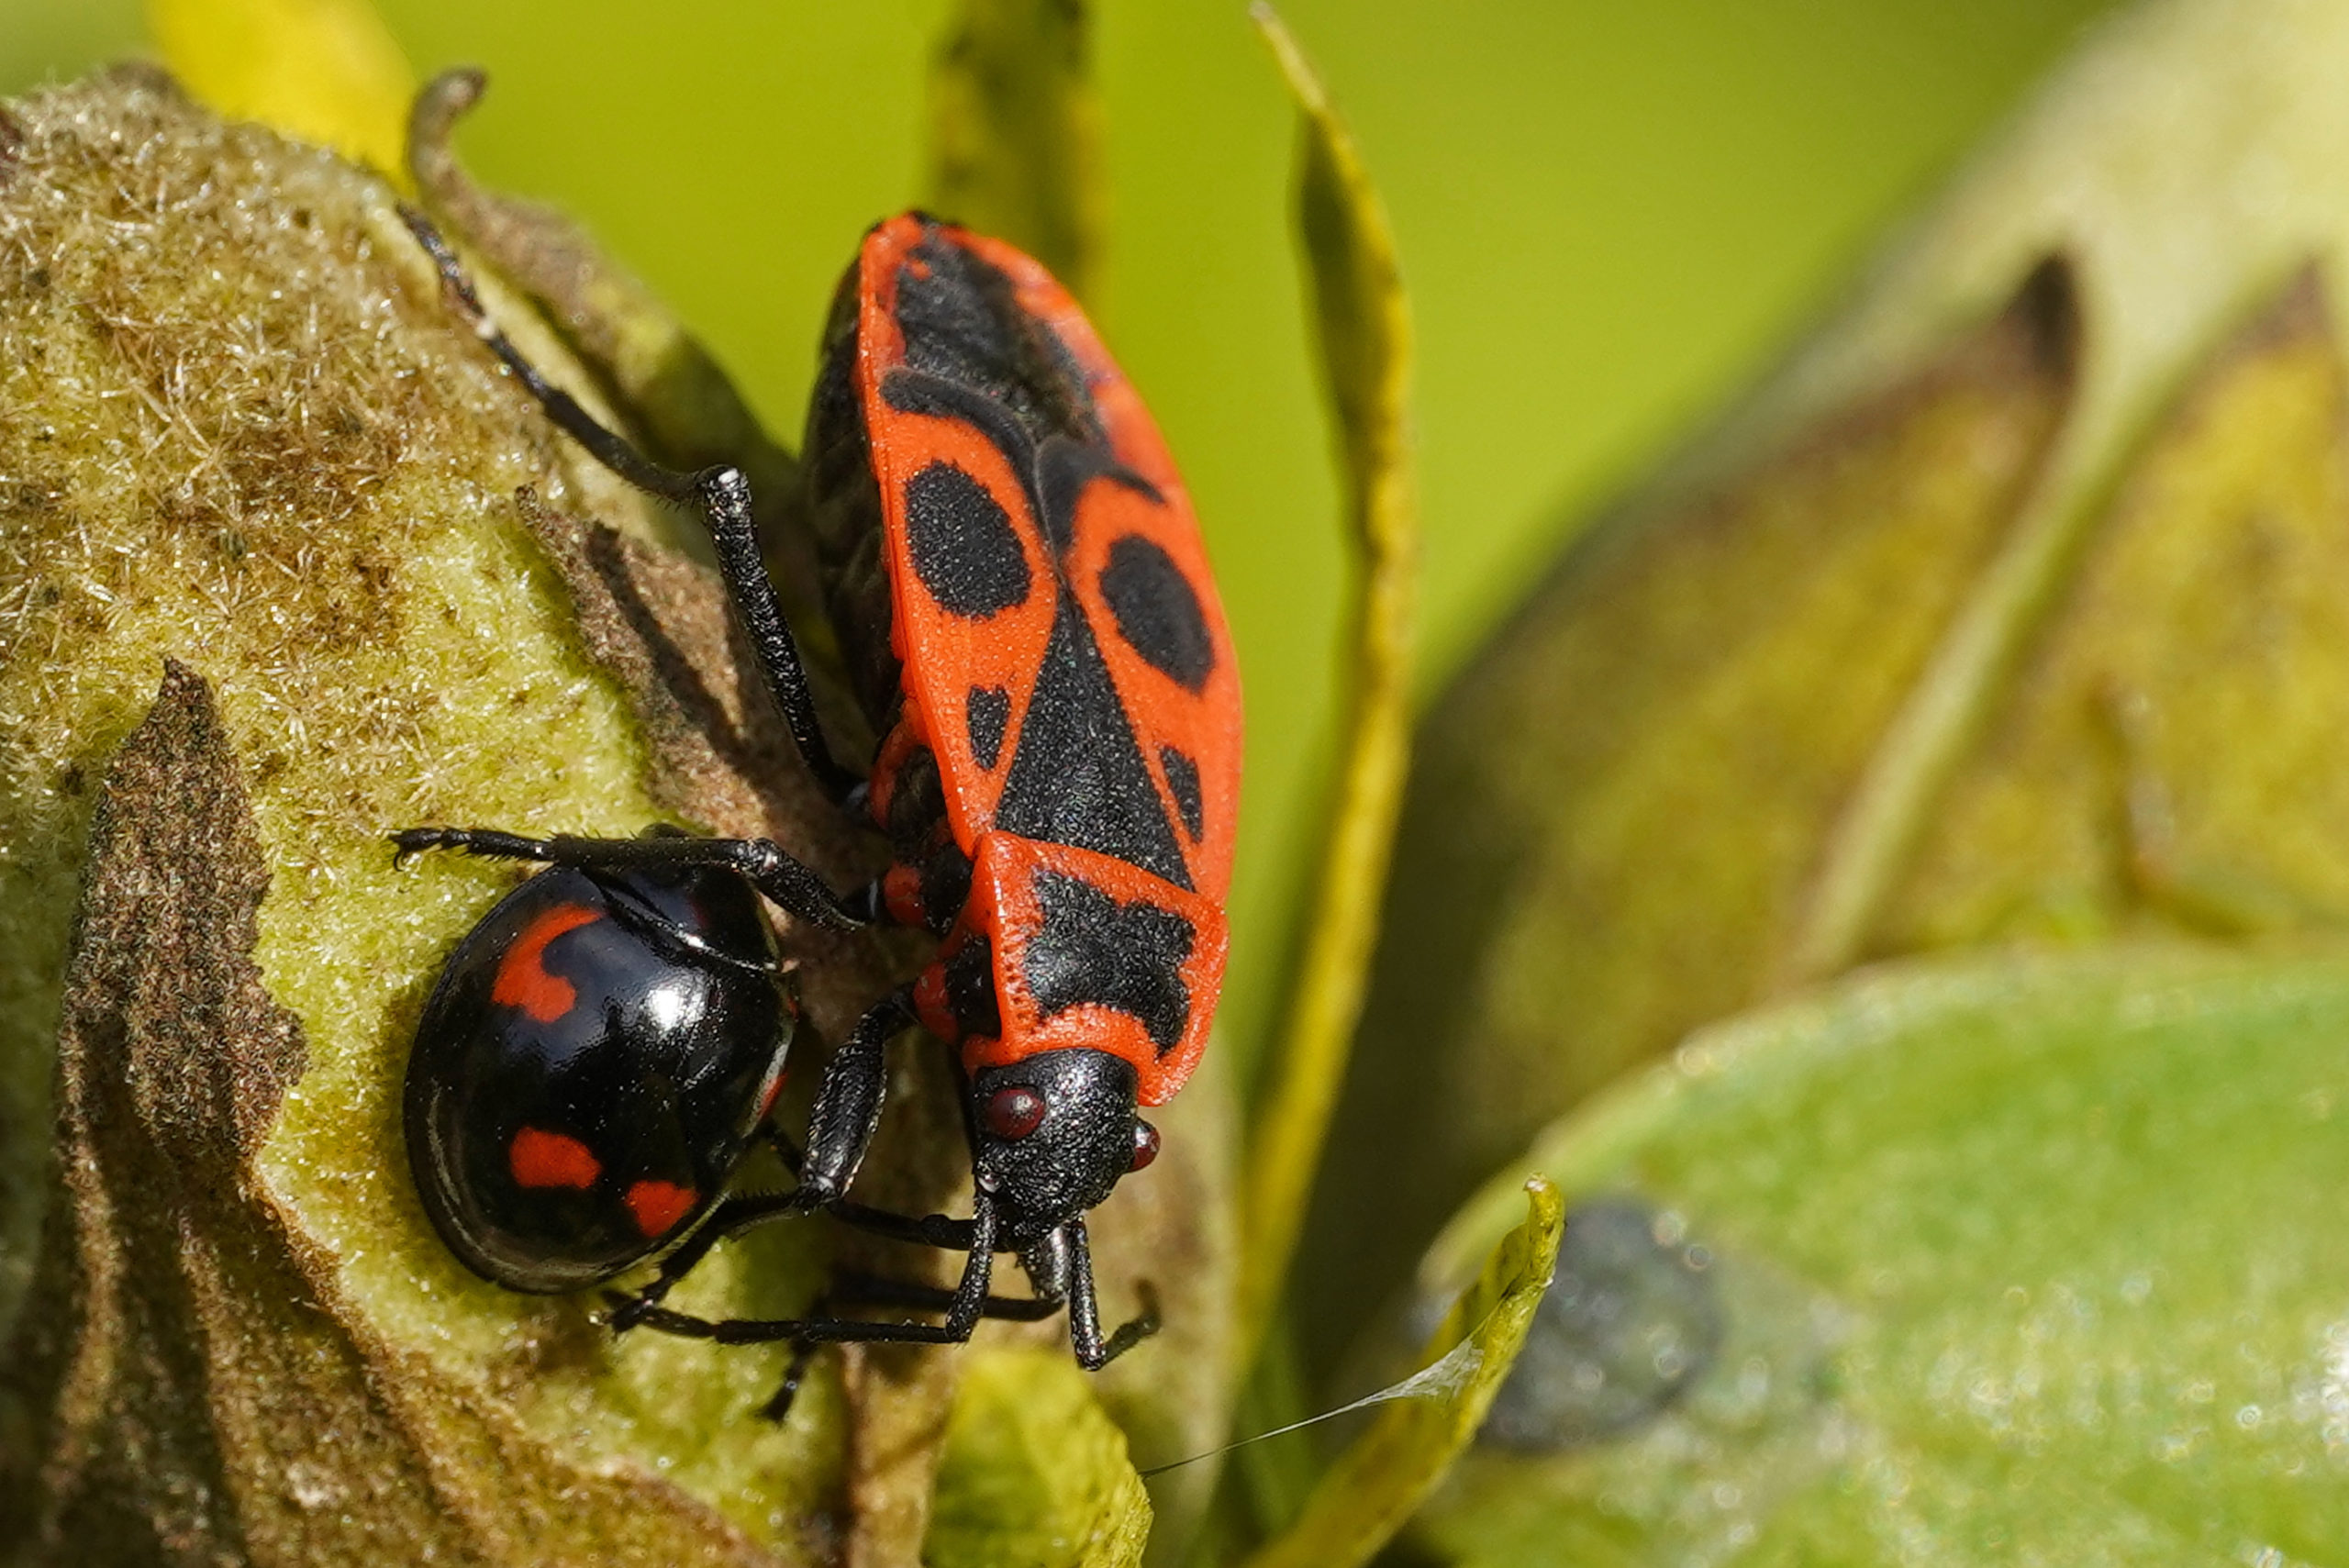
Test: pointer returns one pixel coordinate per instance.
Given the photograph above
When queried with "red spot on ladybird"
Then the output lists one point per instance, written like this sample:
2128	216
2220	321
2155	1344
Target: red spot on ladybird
542	1158
522	978
658	1205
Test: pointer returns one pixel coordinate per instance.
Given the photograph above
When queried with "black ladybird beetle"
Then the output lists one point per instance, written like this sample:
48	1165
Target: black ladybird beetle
591	1066
1021	592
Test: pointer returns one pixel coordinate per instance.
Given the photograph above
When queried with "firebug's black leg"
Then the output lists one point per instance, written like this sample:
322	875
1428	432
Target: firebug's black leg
875	1290
871	1291
737	1215
721	494
939	1230
759	860
870	903
1094	1353
965	1306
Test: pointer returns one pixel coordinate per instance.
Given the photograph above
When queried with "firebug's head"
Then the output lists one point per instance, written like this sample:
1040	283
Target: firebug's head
1054	1133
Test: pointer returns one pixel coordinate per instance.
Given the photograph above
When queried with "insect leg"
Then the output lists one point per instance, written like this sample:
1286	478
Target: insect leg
803	1354
964	1306
869	1290
737	1215
728	1221
721	494
848	1106
938	1230
874	1290
1093	1352
760	861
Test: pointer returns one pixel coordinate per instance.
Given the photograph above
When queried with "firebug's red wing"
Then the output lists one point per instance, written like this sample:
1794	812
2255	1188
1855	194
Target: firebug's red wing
1080	690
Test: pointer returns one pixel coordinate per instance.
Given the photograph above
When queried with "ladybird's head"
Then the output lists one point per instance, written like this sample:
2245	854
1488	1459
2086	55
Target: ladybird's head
1055	1134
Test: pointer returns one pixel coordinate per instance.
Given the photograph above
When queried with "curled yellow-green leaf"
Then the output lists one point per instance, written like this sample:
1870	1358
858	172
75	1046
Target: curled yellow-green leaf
326	71
1378	1482
1362	331
1016	131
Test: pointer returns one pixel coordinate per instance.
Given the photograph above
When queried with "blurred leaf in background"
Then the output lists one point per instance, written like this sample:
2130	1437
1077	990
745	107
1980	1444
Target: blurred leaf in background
325	71
2007	616
1375	1486
1762	726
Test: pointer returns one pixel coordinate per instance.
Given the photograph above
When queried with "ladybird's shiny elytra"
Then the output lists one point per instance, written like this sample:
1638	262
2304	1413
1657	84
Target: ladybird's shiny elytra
590	1069
1020	589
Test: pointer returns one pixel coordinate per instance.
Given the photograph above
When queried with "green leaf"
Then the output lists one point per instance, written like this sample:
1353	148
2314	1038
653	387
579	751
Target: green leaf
1372	1488
2004	1260
1364	335
324	71
1015	132
1033	1473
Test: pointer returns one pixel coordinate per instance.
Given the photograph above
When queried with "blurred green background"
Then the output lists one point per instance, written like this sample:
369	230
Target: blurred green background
1609	216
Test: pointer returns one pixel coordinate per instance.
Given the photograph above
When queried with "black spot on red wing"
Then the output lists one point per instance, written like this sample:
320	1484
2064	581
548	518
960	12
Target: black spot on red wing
1158	612
986	711
964	549
1062	470
1053	470
961	320
1183	779
1090	948
1077	776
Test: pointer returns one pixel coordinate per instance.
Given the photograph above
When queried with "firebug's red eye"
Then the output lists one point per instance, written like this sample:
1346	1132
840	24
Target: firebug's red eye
1145	1145
1014	1112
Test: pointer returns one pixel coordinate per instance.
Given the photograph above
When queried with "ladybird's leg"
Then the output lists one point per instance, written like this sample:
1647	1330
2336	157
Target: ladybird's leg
760	861
721	494
728	1221
803	1355
1093	1352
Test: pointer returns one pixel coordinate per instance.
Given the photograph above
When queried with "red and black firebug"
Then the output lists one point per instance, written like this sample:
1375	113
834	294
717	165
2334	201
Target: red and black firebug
1019	584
